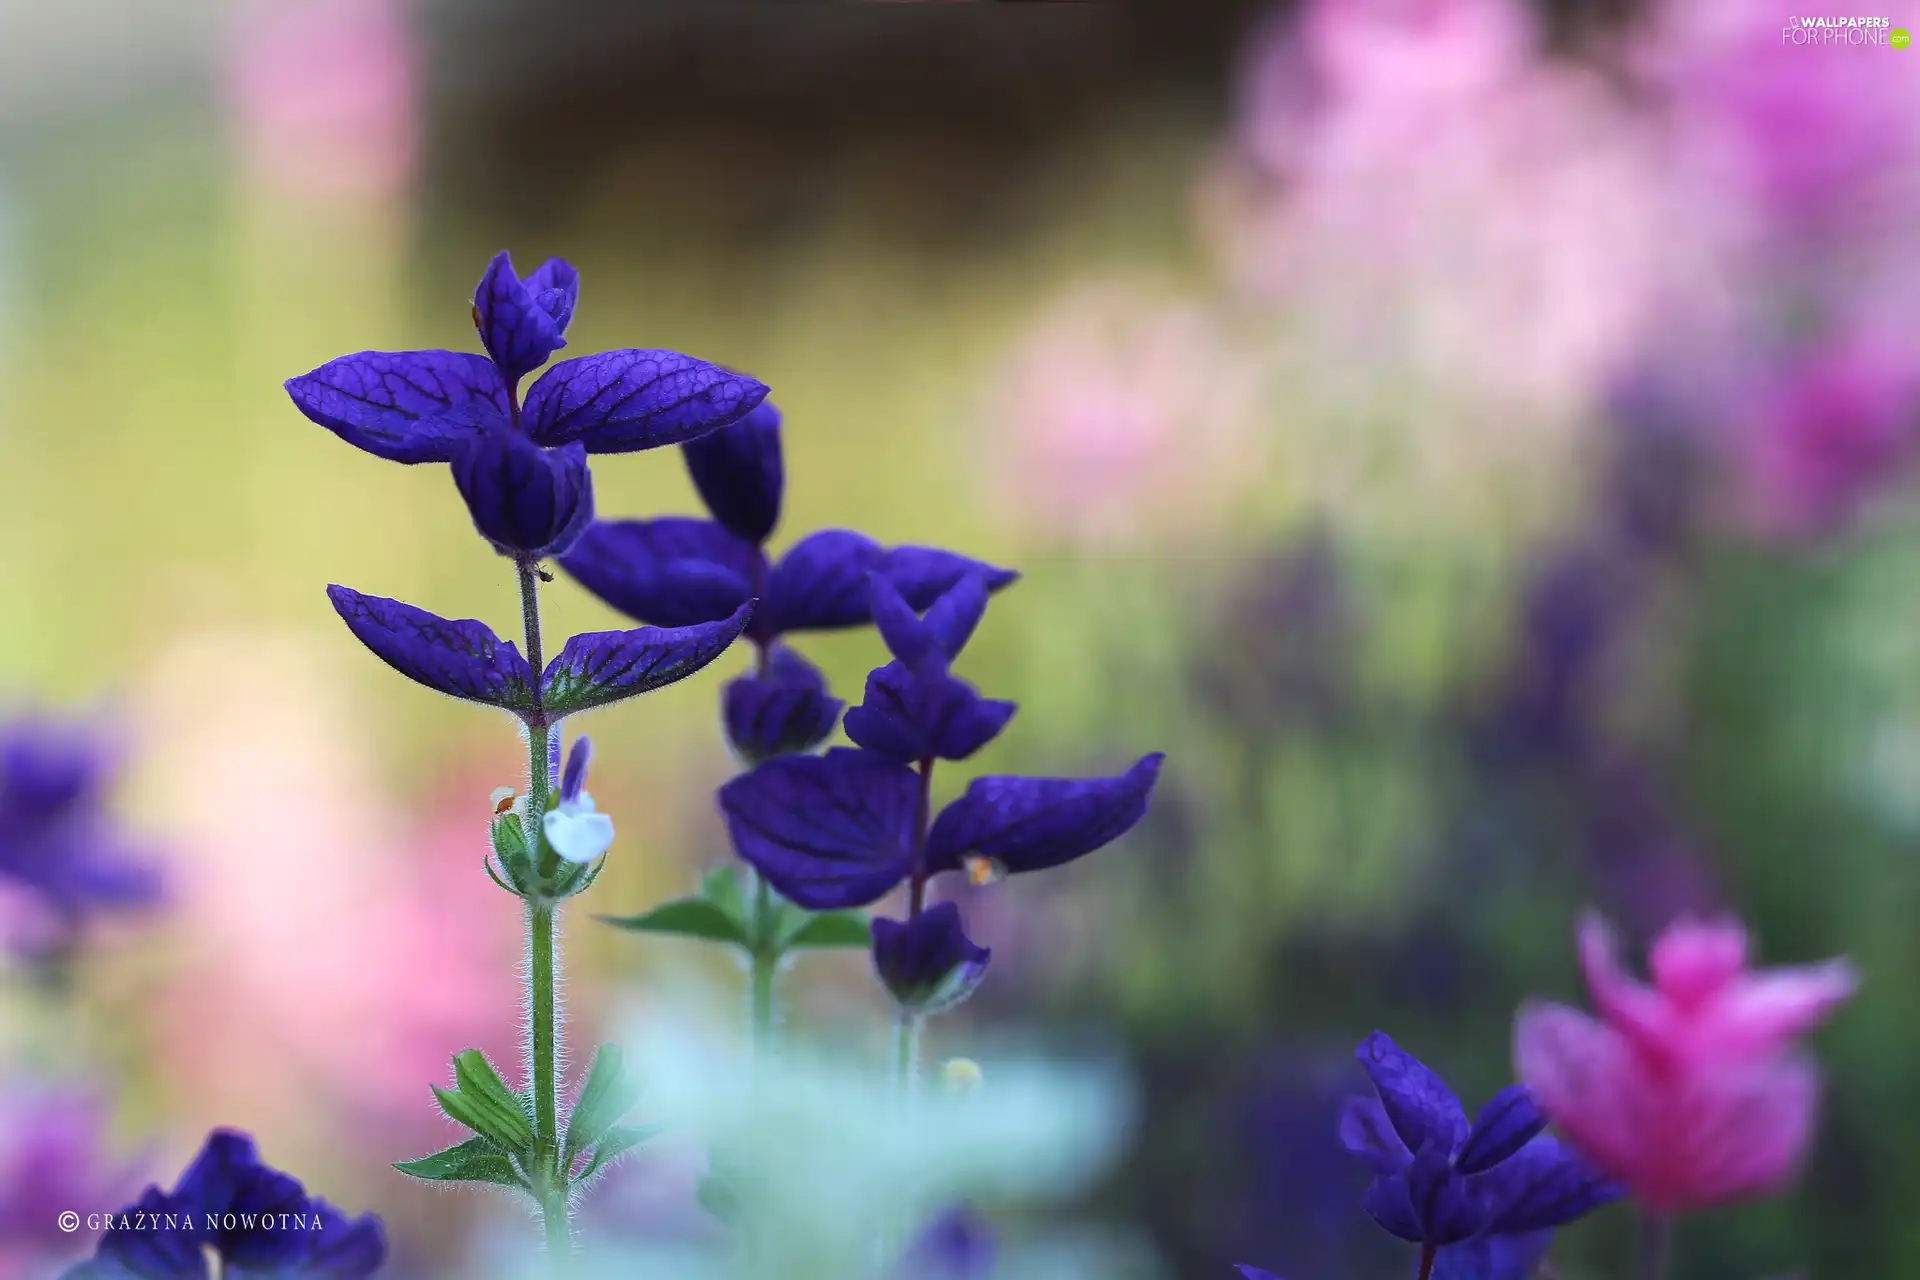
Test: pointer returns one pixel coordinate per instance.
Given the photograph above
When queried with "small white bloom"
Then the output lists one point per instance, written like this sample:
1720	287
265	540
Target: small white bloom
576	832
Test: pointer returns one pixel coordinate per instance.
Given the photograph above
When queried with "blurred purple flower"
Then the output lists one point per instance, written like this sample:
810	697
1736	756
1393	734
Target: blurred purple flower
927	963
53	1157
60	850
781	708
959	1245
1827	431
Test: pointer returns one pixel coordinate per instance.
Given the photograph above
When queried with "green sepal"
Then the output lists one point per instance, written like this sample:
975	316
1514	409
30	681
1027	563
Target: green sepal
475	1160
616	1142
805	930
607	1096
485	1105
510	849
695	917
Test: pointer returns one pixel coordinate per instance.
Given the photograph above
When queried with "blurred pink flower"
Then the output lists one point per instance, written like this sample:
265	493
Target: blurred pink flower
340	949
54	1157
1792	141
1447	216
1688	1091
1123	411
324	98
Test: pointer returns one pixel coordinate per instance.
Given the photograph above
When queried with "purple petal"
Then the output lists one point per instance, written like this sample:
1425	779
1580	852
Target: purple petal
517	331
924	574
526	501
829	831
1543	1185
1254	1273
228	1161
622	401
933	716
1416	1100
147	1245
574	780
1505	1124
347	1248
463	658
1366	1131
820	584
1493	1257
671	573
739	472
408	406
555	285
1026	824
606	666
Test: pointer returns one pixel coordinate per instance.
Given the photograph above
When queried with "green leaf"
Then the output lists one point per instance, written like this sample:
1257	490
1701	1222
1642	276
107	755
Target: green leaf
482	1103
619	1140
686	918
607	1096
722	888
475	1160
829	929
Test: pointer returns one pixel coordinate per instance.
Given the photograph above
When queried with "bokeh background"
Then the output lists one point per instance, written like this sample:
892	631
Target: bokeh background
1469	436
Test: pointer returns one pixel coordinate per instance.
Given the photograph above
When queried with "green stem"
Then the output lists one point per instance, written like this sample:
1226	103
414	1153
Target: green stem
550	1179
1656	1244
766	972
906	1051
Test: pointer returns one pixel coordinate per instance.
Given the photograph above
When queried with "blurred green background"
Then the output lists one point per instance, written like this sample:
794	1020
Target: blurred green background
1467	437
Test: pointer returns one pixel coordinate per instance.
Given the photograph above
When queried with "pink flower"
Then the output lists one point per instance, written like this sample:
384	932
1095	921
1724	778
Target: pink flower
1688	1091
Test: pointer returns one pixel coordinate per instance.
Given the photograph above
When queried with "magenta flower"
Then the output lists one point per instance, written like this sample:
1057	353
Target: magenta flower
1688	1091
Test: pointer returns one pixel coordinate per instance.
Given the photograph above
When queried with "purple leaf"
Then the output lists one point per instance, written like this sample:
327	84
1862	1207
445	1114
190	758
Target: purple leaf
924	574
1027	824
829	831
606	666
1416	1100
672	572
622	401
407	406
821	582
517	330
462	658
739	472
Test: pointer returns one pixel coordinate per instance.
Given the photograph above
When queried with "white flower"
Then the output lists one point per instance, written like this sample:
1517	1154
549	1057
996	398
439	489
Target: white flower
577	831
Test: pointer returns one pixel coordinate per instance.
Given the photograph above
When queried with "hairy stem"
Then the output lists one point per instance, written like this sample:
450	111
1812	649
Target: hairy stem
1656	1244
906	1051
917	892
544	1033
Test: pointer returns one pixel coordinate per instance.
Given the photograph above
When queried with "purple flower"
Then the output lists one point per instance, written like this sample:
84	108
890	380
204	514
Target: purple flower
927	962
914	709
466	659
57	843
1441	1182
959	1245
782	708
522	467
259	1221
678	570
